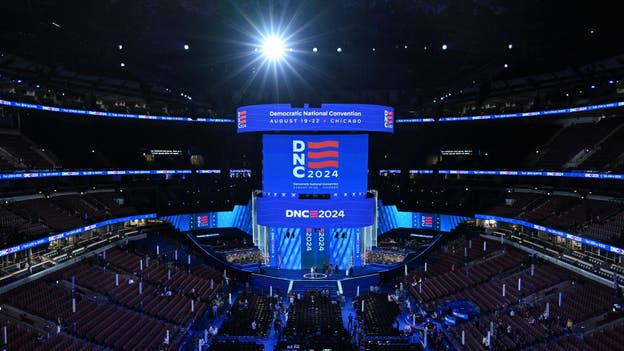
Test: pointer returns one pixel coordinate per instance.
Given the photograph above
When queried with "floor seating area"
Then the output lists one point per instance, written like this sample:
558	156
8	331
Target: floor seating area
247	309
391	346
262	285
378	316
315	318
235	345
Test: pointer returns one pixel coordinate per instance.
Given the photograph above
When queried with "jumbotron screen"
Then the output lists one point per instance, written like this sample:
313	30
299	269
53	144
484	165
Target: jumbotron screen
315	164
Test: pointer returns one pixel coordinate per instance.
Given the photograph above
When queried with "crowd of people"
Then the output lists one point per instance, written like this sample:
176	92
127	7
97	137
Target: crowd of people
400	244
384	257
244	256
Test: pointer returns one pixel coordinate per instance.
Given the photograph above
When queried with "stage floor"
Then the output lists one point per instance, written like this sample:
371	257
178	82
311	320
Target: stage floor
298	274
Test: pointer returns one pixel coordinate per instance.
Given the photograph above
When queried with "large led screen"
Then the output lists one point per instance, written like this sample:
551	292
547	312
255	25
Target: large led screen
327	117
315	164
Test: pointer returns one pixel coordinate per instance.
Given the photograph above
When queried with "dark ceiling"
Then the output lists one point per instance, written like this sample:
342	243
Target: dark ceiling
222	68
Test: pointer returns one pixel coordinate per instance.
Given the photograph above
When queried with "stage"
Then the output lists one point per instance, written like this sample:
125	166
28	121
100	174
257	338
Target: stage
283	281
298	274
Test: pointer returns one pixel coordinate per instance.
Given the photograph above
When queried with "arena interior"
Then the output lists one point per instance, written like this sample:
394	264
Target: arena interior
311	175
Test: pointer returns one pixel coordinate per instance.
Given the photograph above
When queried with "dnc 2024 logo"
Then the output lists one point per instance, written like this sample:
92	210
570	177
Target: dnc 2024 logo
315	159
242	119
388	119
314	213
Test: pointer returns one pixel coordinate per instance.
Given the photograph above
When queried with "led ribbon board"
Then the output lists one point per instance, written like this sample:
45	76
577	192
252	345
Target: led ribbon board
559	233
328	117
49	239
112	114
22	175
562	111
595	175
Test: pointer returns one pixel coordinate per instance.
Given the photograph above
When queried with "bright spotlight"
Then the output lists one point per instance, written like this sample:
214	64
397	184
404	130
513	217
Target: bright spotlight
444	47
314	49
186	47
339	49
273	48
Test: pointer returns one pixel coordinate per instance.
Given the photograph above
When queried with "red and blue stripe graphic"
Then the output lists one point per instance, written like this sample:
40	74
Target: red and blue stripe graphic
388	119
202	221
242	119
323	154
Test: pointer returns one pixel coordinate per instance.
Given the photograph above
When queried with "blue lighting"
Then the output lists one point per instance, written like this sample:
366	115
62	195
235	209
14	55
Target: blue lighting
523	114
596	175
55	237
556	232
111	114
38	174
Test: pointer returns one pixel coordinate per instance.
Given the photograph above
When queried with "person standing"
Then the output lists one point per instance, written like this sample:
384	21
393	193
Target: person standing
215	310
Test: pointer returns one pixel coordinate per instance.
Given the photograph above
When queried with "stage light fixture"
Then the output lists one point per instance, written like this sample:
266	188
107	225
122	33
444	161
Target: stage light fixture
315	50
186	47
273	48
339	49
444	46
